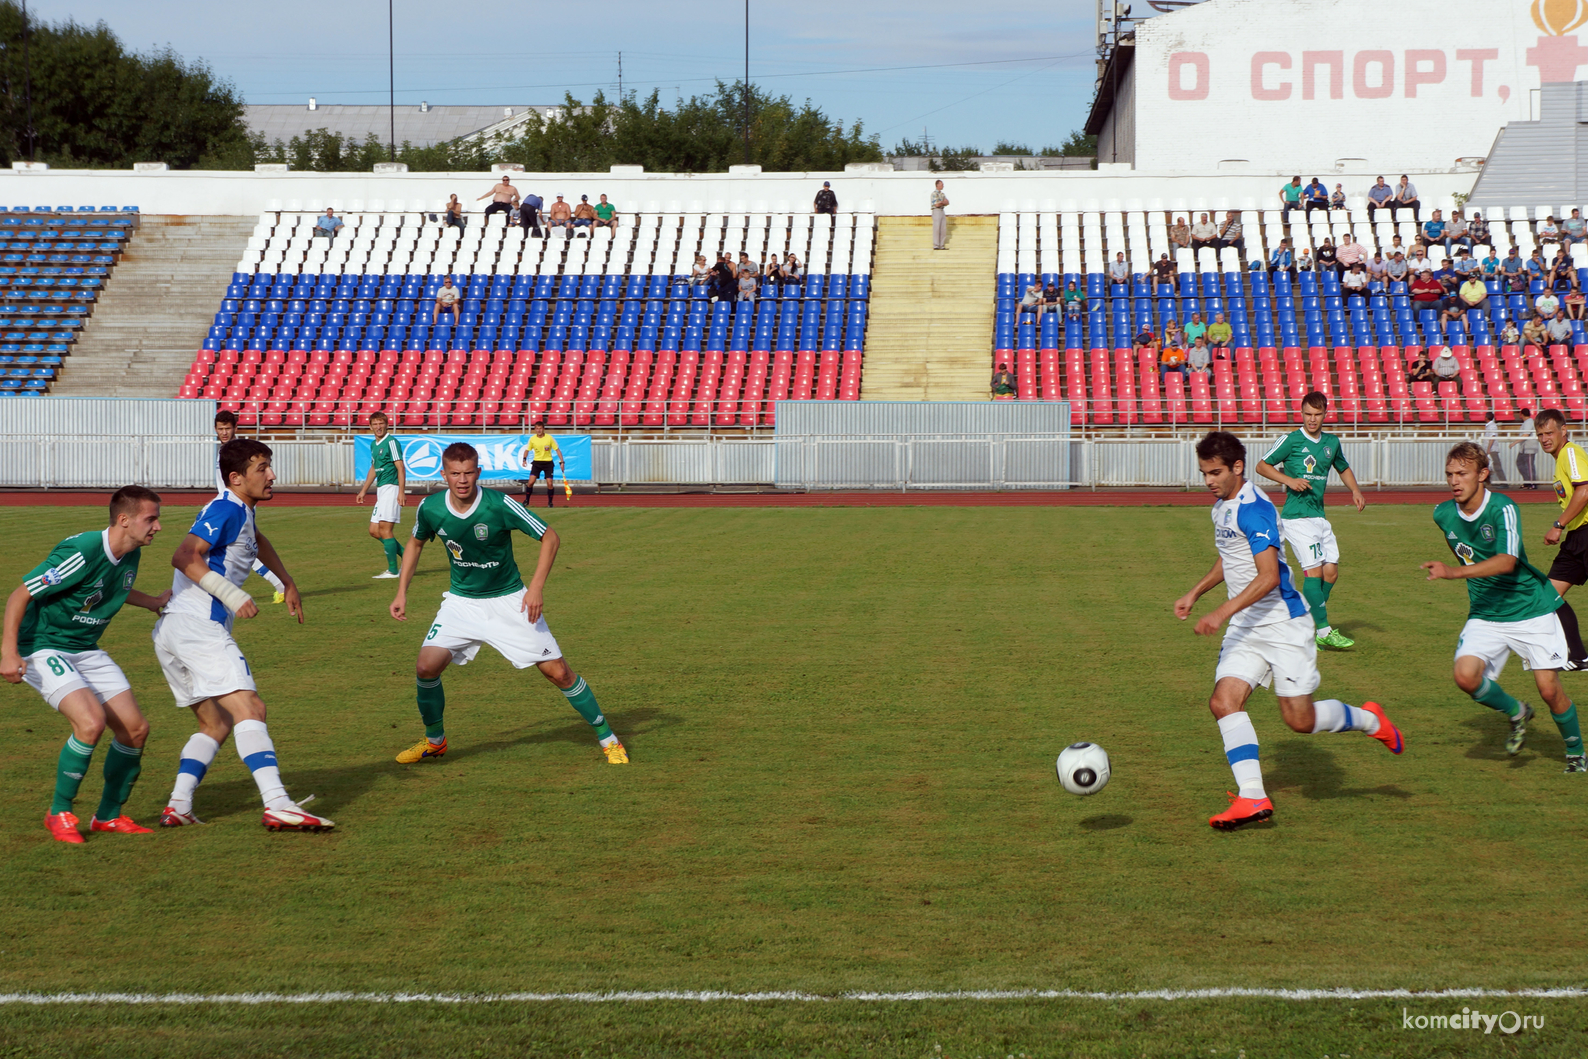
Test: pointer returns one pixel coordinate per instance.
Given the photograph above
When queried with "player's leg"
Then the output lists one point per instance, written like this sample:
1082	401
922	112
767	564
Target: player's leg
86	714
258	752
1322	579
214	725
386	534
432	699
1481	654
1564	713
583	700
123	763
1250	803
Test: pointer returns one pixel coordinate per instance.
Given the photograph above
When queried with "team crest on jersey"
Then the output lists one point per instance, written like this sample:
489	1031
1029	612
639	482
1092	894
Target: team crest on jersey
1486	531
482	531
92	601
455	548
128	578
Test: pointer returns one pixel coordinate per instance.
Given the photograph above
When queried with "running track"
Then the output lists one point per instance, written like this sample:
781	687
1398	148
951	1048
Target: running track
1071	498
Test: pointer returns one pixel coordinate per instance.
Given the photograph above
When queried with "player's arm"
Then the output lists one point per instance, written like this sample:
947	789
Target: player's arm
1574	507
1267	579
1348	476
12	664
369	480
193	559
1274	474
1491	567
534	595
399	603
402	481
273	563
1215	576
523	457
562	462
148	602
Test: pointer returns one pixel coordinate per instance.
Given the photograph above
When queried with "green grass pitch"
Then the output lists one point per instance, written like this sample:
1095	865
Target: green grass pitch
843	724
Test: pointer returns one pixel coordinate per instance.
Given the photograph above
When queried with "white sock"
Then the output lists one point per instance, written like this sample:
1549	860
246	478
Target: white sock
1325	631
196	757
1240	749
1332	715
264	571
259	754
610	740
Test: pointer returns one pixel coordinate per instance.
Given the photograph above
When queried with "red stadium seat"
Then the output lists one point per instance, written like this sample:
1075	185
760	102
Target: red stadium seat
1147	387
1174	390
1201	400
1102	394
589	389
1075	387
1125	387
683	388
726	409
1048	385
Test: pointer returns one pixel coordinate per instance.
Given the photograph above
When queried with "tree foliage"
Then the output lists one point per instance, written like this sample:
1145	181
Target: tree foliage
95	104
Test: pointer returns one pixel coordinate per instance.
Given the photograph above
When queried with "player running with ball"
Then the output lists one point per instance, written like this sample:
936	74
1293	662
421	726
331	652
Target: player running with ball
1270	639
488	603
1512	607
1300	462
53	622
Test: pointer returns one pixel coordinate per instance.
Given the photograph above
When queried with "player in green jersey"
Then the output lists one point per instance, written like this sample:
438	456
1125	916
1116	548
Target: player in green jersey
390	479
1300	462
488	603
1512	607
50	639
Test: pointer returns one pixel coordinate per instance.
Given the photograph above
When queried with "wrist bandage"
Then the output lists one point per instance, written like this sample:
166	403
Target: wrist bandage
229	594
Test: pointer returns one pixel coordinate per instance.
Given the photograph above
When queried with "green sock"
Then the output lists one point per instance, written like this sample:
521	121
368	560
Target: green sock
432	704
1569	731
122	765
1326	587
1494	697
394	553
581	698
69	772
1312	590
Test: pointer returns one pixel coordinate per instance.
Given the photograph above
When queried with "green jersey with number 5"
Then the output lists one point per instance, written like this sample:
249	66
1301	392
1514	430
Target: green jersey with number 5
1301	456
76	591
479	541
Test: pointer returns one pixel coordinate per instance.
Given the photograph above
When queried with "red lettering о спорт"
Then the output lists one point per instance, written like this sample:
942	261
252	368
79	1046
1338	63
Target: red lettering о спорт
1372	73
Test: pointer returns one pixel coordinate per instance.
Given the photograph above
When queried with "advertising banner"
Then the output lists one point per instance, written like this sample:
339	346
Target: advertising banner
499	455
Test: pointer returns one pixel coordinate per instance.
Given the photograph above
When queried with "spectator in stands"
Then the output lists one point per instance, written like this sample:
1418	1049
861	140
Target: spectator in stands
1513	265
1405	199
1172	335
1446	366
1378	269
1204	233
584	214
1171	358
1290	198
1546	304
774	272
1199	358
1509	335
744	264
1163	270
453	216
1230	232
1426	292
1535	336
1490	266
1354	281
793	271
1527	443
1074	301
826	201
1180	234
724	284
1573	303
937	203
560	216
606	214
1195	328
1465	264
1446	275
1304	261
1337	199
1219	332
1380	196
700	272
529	207
1472	294
1119	269
1031	302
1317	196
749	284
1397	268
1003	382
1478	230
1421	370
1559	329
1417	260
1432	231
1548	232
504	196
1350	253
1456	232
1052	298
1573	229
1281	260
327	225
1145	341
447	301
1328	258
1396	246
1562	275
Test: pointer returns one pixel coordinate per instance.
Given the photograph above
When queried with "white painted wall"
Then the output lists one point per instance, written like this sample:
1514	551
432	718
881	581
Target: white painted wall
885	192
1296	84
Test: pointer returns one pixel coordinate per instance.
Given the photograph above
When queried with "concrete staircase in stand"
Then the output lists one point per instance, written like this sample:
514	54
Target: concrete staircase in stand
930	332
157	308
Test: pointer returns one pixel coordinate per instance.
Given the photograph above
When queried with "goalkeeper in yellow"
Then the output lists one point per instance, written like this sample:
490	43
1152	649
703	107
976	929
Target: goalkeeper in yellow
537	457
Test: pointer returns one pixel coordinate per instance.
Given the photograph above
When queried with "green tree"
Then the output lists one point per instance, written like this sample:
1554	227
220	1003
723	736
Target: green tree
955	160
1004	147
1078	145
95	104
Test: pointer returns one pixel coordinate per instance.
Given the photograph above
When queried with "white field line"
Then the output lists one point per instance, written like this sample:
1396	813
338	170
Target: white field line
650	996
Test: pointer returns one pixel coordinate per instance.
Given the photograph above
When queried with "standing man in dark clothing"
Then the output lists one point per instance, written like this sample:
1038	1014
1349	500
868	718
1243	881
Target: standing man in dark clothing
529	208
826	201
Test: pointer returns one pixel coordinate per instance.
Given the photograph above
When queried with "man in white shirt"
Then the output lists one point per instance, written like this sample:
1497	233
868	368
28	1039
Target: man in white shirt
1446	366
1527	447
1491	445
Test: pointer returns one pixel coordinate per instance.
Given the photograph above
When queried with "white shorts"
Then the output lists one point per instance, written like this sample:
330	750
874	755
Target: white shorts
56	674
200	659
1540	643
1284	654
388	504
1311	541
463	624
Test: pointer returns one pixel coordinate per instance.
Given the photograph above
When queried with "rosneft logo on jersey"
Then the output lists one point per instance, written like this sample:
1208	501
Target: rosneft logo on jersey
455	548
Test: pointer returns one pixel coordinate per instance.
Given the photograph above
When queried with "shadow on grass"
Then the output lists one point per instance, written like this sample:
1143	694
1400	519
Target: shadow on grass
1311	771
1106	822
1492	728
343	785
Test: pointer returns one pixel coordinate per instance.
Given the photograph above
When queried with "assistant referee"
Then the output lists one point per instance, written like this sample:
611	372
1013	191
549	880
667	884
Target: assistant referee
537	456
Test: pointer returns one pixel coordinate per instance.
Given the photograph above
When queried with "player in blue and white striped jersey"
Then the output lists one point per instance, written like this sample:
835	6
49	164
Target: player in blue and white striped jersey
225	430
1270	639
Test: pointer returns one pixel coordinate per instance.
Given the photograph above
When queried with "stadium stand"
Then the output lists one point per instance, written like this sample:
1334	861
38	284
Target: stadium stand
603	330
54	263
1289	336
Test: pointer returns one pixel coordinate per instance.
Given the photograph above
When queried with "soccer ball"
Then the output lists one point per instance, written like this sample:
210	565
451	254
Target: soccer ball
1083	768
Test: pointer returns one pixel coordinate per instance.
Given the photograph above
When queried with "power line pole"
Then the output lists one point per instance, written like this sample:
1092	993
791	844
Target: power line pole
27	77
746	82
620	77
391	57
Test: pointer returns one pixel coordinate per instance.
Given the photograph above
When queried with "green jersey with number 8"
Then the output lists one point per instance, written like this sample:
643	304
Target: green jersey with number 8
76	591
480	541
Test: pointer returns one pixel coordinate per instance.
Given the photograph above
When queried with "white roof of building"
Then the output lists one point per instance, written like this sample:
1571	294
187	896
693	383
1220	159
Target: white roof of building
420	127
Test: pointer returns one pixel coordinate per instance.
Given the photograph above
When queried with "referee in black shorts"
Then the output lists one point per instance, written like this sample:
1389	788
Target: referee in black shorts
1570	530
537	455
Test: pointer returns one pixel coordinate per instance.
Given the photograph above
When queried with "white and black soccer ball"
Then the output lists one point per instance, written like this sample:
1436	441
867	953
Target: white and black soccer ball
1083	768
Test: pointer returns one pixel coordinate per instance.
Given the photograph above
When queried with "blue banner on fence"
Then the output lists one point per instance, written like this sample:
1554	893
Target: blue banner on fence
499	455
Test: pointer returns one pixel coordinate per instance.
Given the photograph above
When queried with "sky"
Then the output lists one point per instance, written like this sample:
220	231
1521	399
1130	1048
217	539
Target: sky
973	73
